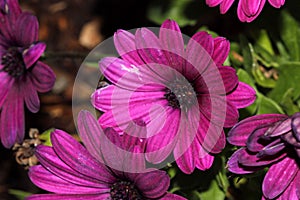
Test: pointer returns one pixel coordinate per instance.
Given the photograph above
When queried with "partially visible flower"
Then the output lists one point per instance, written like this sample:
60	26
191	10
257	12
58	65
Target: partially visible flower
269	140
73	172
184	94
21	74
247	10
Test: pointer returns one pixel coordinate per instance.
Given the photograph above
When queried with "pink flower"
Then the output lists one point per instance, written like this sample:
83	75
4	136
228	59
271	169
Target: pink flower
21	74
269	140
183	96
73	172
247	10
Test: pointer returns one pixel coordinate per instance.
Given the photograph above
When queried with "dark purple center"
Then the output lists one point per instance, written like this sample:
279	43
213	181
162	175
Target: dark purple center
180	94
13	62
124	190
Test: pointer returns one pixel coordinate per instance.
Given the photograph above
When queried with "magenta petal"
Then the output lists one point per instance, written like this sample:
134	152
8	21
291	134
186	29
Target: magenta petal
5	85
43	78
279	177
280	128
102	98
68	149
26	29
239	134
225	5
33	53
205	160
68	196
254	142
250	14
48	181
170	196
12	119
152	184
277	3
297	183
31	97
213	3
290	192
221	49
125	45
296	126
243	96
235	167
90	133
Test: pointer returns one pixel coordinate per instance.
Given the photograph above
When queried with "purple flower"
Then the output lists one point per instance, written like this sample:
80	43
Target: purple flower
21	74
247	10
269	140
183	95
73	172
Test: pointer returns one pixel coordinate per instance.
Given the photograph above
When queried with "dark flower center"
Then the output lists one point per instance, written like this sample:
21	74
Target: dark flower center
13	62
124	190
180	94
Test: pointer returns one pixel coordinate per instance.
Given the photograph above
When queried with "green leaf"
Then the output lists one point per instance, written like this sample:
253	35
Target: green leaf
45	136
290	34
289	76
246	53
267	105
214	192
264	41
19	193
177	10
288	104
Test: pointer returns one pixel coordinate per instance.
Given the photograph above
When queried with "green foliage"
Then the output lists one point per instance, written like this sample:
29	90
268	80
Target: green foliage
45	136
19	194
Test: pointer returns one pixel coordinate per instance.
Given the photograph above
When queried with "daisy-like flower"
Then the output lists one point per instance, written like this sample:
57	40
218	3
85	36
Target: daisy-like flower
21	74
183	94
247	10
73	172
269	140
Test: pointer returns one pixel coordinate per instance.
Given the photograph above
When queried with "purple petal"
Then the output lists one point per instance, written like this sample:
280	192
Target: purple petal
297	183
225	5
26	29
12	119
5	85
90	133
255	143
213	3
277	3
77	157
33	53
160	145
152	184
204	161
243	96
52	183
31	97
246	12
170	196
43	78
290	139
235	167
52	163
221	49
280	128
68	196
12	9
271	149
125	45
296	125
279	176
290	192
239	134
172	42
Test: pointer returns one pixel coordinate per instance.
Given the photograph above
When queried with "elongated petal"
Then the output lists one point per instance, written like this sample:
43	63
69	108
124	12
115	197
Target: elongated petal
235	167
255	143
225	5
280	128
277	3
48	181
243	96
12	119
239	134
170	196
290	192
31	97
26	29
6	82
33	53
43	77
249	13
279	177
213	3
205	160
296	126
125	44
69	196
77	157
221	49
152	184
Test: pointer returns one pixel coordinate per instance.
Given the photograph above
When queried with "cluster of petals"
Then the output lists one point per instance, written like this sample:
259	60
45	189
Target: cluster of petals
269	140
247	10
181	93
21	74
71	171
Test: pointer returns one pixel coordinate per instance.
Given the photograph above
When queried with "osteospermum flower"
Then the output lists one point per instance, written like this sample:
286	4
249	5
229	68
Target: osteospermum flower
72	172
21	74
247	10
269	140
183	95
